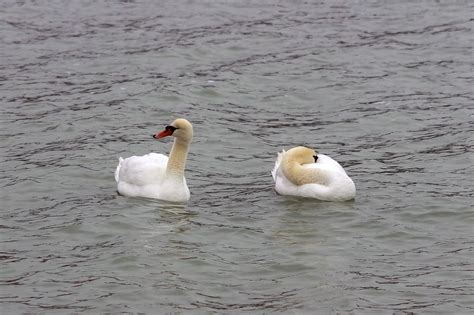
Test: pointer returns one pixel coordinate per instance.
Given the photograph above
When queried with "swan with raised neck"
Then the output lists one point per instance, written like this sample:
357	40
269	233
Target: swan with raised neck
155	175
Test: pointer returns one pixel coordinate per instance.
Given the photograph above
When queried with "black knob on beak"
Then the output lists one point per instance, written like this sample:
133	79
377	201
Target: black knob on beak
315	158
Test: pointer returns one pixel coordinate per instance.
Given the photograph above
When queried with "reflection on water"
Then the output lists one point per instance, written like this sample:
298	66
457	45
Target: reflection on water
384	88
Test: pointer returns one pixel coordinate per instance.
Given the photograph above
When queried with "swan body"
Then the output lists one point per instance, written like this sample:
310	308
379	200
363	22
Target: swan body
155	175
303	172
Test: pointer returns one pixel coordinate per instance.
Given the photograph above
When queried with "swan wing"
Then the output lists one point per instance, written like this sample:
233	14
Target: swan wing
117	170
277	164
143	170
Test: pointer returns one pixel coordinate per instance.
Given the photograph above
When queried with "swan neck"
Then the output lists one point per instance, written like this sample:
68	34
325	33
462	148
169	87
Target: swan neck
299	175
177	159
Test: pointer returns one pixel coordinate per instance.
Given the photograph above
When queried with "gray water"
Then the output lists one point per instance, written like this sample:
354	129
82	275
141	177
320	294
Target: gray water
383	87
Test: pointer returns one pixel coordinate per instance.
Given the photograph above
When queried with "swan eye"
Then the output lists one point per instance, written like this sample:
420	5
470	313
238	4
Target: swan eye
170	129
315	158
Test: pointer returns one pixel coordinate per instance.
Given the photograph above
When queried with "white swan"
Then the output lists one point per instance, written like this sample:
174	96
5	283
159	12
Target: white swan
155	175
303	172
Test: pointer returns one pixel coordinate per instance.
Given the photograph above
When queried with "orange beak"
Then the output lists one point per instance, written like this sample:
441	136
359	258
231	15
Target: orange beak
162	134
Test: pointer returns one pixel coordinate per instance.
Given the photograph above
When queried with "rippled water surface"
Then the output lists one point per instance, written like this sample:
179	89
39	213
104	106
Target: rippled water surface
384	87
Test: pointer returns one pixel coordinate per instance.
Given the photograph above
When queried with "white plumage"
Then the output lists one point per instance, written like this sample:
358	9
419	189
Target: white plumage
155	175
324	179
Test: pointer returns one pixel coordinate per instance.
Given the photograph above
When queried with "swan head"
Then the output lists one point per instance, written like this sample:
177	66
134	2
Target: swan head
181	129
302	155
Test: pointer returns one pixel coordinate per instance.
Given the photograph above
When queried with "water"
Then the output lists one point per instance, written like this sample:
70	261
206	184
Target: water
383	87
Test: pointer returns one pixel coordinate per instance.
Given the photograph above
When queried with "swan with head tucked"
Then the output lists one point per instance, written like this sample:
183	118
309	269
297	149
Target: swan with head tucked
155	175
303	172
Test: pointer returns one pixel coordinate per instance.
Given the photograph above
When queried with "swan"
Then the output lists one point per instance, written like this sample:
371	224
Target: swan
304	172
155	175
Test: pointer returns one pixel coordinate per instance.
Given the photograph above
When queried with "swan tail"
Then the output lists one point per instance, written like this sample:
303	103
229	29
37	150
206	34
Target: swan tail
117	170
277	164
